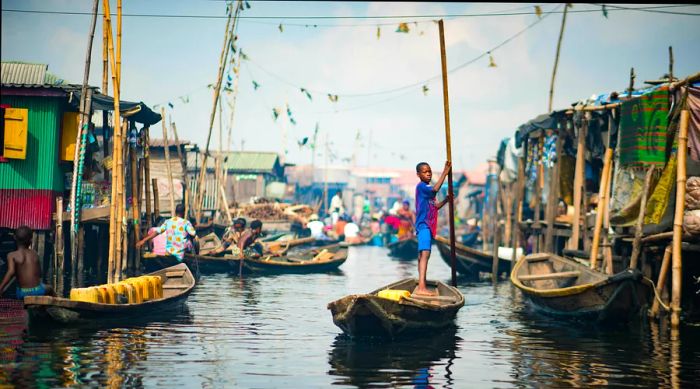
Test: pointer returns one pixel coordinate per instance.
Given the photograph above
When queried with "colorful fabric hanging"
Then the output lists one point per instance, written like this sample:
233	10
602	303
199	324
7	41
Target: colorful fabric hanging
379	32
605	11
644	129
425	90
538	11
255	85
333	98
275	113
306	93
280	27
492	63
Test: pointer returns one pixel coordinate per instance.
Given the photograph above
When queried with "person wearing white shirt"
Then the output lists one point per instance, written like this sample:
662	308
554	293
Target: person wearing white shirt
336	208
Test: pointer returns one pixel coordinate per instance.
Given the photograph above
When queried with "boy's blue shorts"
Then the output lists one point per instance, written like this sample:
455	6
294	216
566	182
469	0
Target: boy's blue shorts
425	239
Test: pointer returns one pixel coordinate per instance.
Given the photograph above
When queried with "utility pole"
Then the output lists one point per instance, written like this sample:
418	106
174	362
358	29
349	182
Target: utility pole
325	177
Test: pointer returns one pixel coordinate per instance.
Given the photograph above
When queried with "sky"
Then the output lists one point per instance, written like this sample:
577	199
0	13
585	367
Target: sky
172	60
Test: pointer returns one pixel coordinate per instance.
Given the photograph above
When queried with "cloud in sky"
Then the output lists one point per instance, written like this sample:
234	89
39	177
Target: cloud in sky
166	58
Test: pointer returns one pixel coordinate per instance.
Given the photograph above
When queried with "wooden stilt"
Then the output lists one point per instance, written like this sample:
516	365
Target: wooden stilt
136	210
553	195
58	249
183	162
520	186
80	258
147	177
637	244
495	259
166	147
661	283
156	202
677	263
579	186
602	194
607	247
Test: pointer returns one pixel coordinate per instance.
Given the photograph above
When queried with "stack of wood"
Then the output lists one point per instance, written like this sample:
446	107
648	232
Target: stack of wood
274	211
324	255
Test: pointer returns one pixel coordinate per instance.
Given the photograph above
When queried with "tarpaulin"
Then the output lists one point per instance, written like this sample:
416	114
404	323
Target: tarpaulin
138	112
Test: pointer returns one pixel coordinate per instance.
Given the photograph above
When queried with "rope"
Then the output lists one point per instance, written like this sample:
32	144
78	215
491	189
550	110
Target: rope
656	293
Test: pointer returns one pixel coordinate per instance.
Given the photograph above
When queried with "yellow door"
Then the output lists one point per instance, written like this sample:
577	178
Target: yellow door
15	133
69	131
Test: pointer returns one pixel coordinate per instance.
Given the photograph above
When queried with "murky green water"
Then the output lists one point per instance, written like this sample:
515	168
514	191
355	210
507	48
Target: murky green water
275	331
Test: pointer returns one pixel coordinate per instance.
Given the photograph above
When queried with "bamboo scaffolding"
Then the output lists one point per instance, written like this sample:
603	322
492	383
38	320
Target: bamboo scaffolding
637	244
578	185
448	146
677	264
228	37
607	159
147	176
166	148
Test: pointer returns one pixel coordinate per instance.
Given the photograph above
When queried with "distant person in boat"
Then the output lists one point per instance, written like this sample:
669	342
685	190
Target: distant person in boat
407	220
316	228
336	208
426	217
247	245
352	233
23	264
339	228
232	235
178	233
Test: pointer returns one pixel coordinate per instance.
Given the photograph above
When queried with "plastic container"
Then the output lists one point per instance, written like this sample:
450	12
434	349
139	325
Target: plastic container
157	283
108	294
89	295
128	291
393	294
140	286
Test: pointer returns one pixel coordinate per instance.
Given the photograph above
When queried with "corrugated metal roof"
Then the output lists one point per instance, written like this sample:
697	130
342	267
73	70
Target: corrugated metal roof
23	73
251	161
171	142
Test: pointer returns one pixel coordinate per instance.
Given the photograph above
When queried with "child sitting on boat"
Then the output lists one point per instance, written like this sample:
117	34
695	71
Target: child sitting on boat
426	217
23	264
178	232
247	245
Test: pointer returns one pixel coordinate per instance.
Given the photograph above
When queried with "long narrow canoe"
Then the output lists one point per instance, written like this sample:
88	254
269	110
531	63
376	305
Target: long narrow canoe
470	262
562	287
307	262
404	249
178	283
371	315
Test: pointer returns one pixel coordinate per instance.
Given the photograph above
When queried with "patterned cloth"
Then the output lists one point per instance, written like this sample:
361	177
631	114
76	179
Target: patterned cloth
426	211
177	230
644	129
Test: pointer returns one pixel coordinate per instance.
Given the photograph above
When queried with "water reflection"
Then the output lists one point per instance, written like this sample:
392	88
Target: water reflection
419	362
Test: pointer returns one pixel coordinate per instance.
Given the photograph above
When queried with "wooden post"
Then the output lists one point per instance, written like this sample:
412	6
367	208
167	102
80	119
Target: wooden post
607	249
495	259
58	249
156	201
166	148
80	257
553	196
147	176
183	161
607	159
579	186
136	210
677	264
637	243
661	283
515	238
556	58
448	145
670	64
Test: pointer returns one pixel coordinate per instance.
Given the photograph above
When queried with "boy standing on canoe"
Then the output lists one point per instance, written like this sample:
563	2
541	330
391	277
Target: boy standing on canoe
178	231
426	217
23	263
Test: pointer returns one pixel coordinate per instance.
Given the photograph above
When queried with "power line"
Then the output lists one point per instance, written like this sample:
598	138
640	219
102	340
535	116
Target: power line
654	9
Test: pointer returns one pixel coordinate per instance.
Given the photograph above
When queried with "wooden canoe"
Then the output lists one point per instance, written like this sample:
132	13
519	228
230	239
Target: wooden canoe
371	315
298	263
178	283
404	249
469	262
562	287
282	245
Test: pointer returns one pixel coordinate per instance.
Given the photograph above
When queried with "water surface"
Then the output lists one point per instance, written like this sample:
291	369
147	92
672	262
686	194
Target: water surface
275	331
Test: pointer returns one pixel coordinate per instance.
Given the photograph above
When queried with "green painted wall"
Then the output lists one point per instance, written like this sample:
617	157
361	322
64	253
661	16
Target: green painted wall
41	168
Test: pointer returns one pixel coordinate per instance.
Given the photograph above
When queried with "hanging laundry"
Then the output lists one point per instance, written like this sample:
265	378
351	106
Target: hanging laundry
185	99
289	115
255	85
275	113
171	105
280	27
333	98
379	32
403	27
538	11
425	90
605	11
303	142
247	5
644	129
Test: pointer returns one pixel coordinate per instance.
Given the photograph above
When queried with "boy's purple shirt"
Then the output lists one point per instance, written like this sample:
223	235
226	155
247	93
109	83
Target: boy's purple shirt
426	210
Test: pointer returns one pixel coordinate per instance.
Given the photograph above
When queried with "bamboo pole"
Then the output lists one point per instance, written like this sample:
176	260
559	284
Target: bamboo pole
183	162
601	210
116	153
578	185
607	249
156	202
166	148
118	68
228	36
448	146
237	70
637	244
670	64
135	195
121	207
556	58
661	283
147	176
677	264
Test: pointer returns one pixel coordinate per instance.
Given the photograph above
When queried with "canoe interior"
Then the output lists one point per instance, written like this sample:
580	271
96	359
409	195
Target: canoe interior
564	272
404	249
470	261
302	261
445	294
